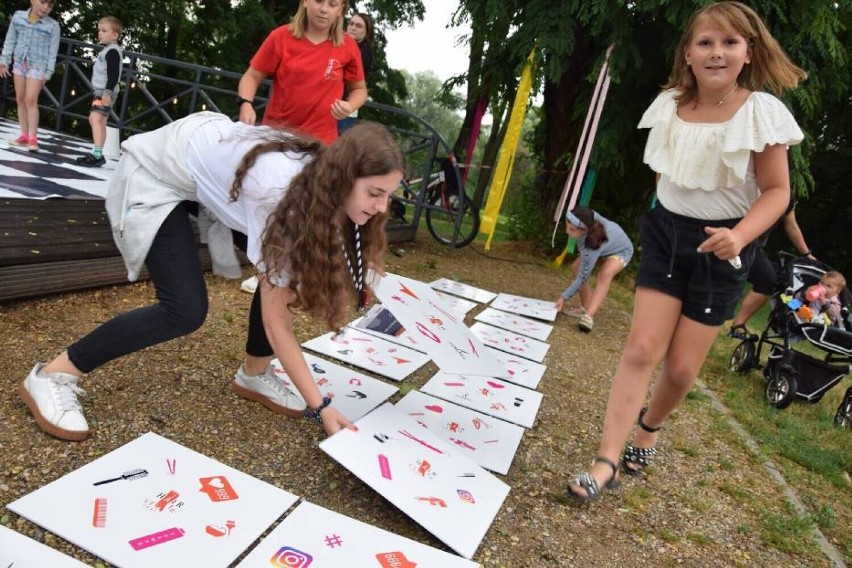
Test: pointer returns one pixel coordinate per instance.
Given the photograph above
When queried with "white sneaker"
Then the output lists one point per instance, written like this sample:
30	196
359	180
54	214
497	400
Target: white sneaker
268	390
249	285
52	398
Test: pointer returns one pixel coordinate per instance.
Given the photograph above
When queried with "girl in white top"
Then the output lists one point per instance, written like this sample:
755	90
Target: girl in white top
314	220
719	149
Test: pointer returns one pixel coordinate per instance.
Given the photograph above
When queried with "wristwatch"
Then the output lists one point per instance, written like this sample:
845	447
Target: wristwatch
314	413
241	101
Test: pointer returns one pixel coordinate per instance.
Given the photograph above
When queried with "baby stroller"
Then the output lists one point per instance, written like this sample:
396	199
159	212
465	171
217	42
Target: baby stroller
788	372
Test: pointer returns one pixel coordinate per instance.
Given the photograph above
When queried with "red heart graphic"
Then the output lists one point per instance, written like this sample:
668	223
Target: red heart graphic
435	408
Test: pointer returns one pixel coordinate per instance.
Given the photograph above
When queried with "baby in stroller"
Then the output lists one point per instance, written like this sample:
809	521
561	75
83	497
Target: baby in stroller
824	299
791	373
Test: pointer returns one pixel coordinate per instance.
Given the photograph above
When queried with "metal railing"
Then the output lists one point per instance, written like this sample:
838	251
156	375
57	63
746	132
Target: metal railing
156	91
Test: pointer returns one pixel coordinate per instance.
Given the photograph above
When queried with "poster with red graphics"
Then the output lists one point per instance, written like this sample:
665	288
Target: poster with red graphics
315	537
530	307
510	342
431	481
515	323
463	290
153	502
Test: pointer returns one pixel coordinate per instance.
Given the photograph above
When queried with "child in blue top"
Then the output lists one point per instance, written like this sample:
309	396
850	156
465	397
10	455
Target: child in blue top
32	42
718	146
597	238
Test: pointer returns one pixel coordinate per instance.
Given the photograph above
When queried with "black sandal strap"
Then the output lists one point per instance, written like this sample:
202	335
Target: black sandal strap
608	462
645	426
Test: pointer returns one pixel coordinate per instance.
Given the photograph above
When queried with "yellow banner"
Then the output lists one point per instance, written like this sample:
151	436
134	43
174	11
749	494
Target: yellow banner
506	159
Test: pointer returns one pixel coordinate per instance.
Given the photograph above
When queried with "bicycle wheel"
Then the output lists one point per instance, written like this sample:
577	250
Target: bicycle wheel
444	223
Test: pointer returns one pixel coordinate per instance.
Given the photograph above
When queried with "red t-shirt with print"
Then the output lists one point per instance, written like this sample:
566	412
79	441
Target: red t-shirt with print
307	79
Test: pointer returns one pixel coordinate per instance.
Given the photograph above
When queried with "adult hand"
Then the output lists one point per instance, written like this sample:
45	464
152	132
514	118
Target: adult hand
723	242
333	421
247	114
340	109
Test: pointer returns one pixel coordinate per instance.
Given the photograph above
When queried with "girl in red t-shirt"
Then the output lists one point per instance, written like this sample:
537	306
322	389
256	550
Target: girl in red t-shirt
310	60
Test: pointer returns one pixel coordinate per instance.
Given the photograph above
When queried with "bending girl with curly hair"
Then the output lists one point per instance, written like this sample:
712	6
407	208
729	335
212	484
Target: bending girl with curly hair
314	219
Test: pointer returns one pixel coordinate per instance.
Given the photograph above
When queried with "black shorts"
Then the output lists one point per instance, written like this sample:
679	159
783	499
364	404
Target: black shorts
708	287
763	274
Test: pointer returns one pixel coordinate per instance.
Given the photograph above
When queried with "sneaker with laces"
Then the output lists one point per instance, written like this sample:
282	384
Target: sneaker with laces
32	144
52	399
21	140
586	323
91	161
268	390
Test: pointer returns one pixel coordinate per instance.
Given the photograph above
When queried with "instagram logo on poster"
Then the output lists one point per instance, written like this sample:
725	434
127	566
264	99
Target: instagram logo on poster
291	558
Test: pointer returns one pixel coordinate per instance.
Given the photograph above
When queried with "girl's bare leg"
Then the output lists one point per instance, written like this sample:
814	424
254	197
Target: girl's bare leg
33	90
655	317
20	98
607	271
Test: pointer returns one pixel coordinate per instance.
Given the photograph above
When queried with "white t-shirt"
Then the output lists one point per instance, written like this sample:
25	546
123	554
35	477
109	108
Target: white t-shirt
213	154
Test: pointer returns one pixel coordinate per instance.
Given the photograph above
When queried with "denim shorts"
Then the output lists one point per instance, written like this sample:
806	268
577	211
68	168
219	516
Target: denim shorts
24	69
708	287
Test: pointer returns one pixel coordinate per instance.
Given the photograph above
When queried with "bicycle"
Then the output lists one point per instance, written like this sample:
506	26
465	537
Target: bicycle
451	216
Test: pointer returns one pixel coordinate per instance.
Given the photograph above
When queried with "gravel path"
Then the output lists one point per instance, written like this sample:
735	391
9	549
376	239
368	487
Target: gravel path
706	501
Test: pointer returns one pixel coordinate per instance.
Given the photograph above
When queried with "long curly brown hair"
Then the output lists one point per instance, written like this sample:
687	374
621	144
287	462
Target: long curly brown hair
303	236
770	67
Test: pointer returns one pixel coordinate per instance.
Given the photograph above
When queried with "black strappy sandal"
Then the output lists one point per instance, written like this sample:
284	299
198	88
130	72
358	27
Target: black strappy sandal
639	458
590	484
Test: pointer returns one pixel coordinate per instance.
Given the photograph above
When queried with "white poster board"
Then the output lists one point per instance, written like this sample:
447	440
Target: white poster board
19	551
509	342
456	305
515	323
369	352
317	537
521	371
445	337
434	484
463	290
153	502
490	396
538	309
354	394
490	442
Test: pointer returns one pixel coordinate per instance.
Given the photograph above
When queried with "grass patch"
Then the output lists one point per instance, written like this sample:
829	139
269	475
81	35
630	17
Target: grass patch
788	532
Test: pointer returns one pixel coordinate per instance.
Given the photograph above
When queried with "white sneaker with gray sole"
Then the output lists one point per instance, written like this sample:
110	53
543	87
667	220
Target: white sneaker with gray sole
268	390
586	323
52	399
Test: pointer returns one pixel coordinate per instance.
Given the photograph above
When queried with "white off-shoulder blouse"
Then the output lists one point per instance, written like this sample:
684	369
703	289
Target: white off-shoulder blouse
707	169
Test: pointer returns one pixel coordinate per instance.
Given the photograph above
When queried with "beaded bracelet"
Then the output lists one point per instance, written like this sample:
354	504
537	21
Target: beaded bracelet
314	413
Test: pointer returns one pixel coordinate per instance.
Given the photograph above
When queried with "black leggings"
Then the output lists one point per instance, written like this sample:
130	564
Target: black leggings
182	302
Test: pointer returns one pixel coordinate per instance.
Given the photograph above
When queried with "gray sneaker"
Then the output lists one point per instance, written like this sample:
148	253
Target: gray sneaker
268	390
52	399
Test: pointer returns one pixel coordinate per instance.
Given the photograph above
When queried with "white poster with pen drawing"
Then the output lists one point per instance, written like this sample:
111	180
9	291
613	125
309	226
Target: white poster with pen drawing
515	323
509	342
538	309
315	536
490	442
153	502
354	394
435	484
445	337
493	397
369	352
521	371
17	550
464	290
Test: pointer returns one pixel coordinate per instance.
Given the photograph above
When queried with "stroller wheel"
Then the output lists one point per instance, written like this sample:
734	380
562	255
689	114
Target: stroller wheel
843	417
781	387
742	359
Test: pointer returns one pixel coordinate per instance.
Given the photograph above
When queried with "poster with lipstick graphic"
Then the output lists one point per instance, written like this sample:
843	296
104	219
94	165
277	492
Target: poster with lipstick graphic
530	307
515	323
438	332
153	502
318	537
521	371
432	482
369	352
490	442
510	342
493	397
